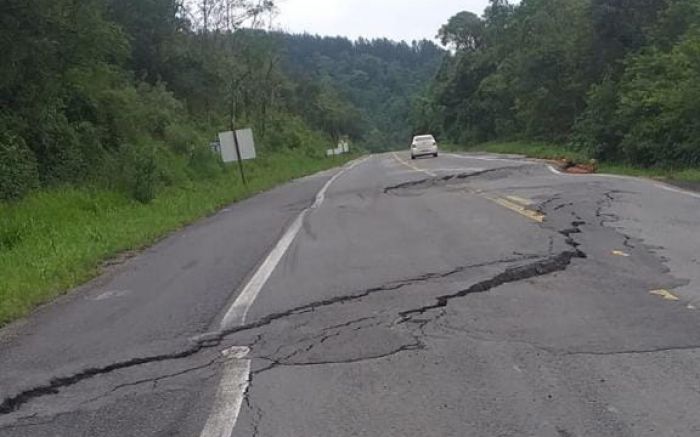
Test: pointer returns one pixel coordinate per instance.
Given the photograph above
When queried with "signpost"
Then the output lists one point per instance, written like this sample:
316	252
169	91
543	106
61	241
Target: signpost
237	146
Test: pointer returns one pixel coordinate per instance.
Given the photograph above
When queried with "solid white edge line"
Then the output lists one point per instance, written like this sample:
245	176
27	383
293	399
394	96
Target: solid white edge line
483	158
236	374
630	178
555	171
238	311
678	190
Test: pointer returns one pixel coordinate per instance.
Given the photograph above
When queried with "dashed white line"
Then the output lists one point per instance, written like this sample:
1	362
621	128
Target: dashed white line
229	395
235	378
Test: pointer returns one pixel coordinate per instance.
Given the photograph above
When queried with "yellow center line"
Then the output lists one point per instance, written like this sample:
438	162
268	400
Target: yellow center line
520	200
516	204
523	211
665	294
413	167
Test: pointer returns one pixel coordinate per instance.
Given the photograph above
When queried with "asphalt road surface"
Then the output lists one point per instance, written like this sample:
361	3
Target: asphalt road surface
468	295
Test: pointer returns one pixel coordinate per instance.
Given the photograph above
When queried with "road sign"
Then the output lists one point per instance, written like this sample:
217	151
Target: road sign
343	147
246	145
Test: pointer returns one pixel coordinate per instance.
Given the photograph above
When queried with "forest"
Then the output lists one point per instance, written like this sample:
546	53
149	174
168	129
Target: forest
108	109
380	78
618	81
126	95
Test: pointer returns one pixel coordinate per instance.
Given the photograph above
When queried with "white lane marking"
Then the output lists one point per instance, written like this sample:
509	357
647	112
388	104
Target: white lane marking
482	158
594	175
678	190
237	313
111	294
236	374
229	396
459	169
555	171
629	178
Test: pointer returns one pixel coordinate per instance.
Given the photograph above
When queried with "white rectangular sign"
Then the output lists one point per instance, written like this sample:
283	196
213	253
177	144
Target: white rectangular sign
246	145
343	147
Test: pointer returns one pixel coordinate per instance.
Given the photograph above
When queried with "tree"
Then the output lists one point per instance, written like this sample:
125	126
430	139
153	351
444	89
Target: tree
463	32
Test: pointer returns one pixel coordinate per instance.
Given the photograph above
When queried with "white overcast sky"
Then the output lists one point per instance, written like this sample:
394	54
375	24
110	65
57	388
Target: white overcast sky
395	19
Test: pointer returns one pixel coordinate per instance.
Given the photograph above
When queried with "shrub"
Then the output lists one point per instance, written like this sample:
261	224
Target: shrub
145	178
204	164
18	168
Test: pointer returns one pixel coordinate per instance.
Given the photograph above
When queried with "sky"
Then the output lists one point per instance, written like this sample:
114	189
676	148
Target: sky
394	19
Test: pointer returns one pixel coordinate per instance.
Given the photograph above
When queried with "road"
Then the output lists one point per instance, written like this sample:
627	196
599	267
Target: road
468	295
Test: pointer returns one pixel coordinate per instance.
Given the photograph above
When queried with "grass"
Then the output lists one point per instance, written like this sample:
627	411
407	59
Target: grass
552	151
54	240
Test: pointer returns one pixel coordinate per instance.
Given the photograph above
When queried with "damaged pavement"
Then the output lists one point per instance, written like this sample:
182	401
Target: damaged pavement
417	306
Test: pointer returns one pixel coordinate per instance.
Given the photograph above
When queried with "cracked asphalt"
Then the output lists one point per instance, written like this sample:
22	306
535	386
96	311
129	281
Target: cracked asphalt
421	298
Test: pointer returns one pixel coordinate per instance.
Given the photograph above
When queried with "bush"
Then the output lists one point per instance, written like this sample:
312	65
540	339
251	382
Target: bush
649	116
146	178
661	97
182	138
60	153
290	132
18	168
598	132
204	164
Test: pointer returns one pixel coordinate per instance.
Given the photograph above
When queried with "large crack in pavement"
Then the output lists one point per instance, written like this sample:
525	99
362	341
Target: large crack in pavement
443	180
13	403
536	265
552	264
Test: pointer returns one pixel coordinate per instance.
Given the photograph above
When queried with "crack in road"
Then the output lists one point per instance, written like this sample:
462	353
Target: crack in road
155	380
440	180
13	403
416	346
550	265
636	351
536	266
539	266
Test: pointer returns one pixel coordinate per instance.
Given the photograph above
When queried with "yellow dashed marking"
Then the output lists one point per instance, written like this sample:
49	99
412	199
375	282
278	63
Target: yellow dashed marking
620	253
664	294
413	167
520	209
520	200
513	203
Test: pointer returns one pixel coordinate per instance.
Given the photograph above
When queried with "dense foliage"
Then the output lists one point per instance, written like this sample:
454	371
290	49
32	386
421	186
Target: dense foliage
127	94
380	78
614	80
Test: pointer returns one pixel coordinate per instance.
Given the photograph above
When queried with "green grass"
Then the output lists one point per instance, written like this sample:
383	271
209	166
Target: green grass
54	240
552	151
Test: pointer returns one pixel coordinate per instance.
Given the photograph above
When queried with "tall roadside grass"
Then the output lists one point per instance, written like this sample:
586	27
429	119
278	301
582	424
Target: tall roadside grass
56	239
